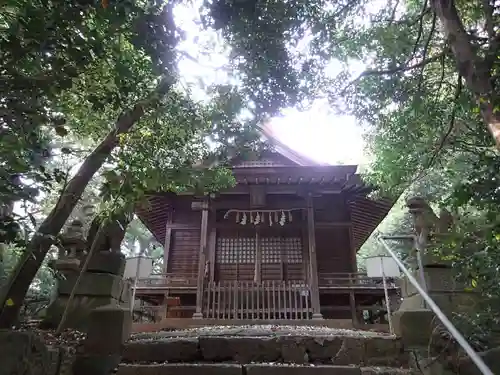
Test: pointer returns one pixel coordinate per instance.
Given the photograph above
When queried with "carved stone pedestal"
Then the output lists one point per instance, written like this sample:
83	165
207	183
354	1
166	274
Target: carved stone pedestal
414	322
102	284
442	287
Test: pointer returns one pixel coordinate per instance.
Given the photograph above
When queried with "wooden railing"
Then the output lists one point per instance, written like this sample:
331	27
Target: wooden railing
250	300
353	280
332	280
167	280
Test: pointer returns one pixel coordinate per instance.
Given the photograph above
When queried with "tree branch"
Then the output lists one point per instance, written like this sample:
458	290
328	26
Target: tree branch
426	49
420	28
466	59
410	23
489	26
441	78
445	136
403	68
393	13
452	121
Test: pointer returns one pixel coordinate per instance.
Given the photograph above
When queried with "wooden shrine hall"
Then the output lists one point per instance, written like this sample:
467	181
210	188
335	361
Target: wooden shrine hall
280	245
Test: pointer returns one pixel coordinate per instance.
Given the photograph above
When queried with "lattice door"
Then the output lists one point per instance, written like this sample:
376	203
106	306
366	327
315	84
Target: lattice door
282	258
235	258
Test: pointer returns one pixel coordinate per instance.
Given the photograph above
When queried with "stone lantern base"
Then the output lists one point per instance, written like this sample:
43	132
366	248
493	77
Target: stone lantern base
102	284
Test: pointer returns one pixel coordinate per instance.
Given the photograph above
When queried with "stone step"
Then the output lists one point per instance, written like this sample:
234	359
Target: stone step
376	350
253	369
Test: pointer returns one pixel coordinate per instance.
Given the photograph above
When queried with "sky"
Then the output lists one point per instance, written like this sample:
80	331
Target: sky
318	133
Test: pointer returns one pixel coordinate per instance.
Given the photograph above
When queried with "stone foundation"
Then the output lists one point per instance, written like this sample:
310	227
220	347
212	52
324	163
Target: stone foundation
25	353
101	285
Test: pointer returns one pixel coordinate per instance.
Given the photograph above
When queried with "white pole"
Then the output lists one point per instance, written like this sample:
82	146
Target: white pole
420	246
386	293
134	287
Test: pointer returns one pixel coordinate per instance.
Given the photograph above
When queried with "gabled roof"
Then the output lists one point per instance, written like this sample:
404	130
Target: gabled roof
291	154
291	167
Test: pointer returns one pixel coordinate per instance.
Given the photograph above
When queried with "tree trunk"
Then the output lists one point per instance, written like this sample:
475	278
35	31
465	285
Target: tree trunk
37	248
475	70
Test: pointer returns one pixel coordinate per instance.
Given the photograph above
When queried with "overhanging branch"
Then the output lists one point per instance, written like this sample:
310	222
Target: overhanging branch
426	50
445	136
403	68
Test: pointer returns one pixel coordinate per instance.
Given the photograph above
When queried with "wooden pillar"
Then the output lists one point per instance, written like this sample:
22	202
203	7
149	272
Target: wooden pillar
352	301
212	243
258	258
168	242
352	252
202	255
313	266
353	278
305	249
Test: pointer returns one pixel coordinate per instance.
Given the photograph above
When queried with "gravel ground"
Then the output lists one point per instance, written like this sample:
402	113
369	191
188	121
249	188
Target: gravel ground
258	330
69	338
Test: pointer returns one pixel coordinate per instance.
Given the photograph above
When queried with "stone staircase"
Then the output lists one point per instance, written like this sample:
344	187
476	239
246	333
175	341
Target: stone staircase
264	350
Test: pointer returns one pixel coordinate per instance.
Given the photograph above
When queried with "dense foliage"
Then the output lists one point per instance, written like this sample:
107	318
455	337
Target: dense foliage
428	94
103	76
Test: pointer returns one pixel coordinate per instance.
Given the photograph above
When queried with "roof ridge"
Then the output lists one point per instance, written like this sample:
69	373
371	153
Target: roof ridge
285	150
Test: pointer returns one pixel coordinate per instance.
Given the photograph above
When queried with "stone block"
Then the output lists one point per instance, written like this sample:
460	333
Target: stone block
93	284
109	328
66	359
430	258
385	351
107	262
293	349
491	358
68	265
79	311
24	353
96	364
171	349
324	349
181	368
389	371
448	302
276	369
342	350
438	280
240	349
414	327
126	293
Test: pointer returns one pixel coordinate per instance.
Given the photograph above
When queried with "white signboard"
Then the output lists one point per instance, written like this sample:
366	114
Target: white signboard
375	264
145	267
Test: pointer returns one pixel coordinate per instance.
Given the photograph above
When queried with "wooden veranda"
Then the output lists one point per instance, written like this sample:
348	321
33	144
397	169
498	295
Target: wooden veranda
174	297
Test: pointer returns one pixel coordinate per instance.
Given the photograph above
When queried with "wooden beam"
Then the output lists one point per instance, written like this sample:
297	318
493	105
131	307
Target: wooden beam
242	189
183	226
235	226
333	224
313	267
201	261
272	205
295	225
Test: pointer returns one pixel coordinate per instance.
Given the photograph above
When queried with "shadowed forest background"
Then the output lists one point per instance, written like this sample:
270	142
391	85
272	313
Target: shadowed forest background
104	101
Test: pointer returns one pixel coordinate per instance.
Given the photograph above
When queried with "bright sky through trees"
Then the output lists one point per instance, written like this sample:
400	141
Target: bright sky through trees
319	133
